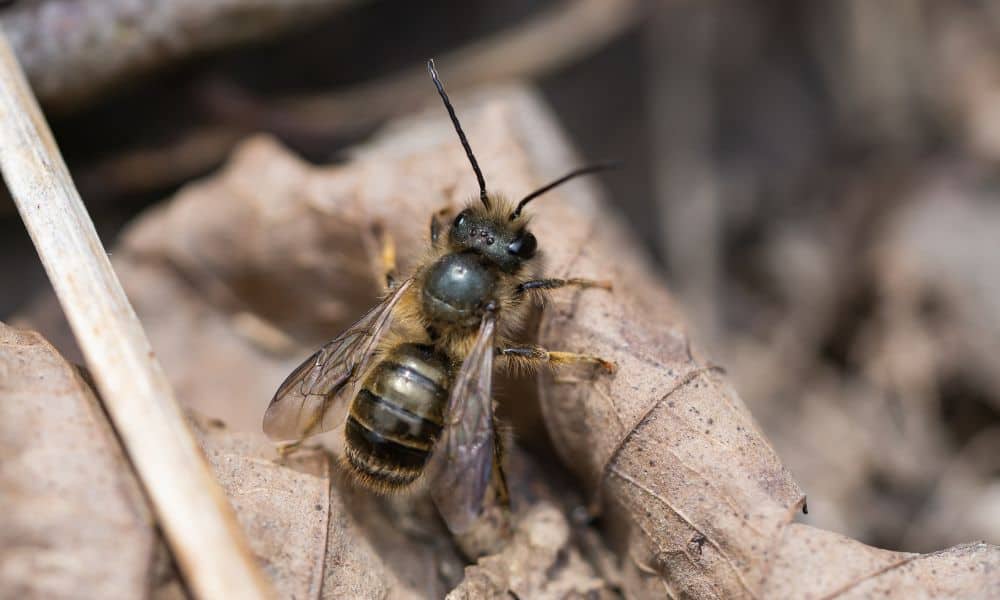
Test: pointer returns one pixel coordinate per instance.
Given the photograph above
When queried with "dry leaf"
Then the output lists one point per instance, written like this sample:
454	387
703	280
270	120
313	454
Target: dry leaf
316	541
69	497
72	501
241	275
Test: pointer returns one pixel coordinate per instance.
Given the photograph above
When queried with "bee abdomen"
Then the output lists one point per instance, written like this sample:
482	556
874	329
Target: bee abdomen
397	416
380	460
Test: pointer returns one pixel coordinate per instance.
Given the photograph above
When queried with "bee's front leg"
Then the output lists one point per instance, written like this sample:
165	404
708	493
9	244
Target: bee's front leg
551	284
436	223
535	355
386	254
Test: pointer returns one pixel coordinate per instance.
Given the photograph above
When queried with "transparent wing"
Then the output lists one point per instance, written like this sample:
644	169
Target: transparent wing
312	399
461	464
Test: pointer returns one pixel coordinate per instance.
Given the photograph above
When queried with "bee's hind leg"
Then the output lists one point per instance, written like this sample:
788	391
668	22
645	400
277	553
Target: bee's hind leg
285	448
503	492
535	355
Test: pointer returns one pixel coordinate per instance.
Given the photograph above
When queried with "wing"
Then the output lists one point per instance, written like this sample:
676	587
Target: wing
313	398
461	464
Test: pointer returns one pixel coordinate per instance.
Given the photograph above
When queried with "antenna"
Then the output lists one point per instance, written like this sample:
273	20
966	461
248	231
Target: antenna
585	170
461	134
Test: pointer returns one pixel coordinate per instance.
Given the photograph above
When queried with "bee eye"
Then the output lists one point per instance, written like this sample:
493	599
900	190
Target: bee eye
523	246
460	219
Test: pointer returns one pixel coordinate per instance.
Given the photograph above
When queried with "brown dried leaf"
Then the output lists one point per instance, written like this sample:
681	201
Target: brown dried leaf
283	510
312	543
696	501
70	500
812	563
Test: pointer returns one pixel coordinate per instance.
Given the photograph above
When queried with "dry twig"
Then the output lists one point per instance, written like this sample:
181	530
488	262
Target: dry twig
191	508
73	51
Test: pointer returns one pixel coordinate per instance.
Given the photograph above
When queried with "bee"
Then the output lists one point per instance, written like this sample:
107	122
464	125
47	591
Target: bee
411	380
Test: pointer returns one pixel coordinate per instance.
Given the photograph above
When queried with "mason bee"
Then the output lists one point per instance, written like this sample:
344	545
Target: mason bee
411	380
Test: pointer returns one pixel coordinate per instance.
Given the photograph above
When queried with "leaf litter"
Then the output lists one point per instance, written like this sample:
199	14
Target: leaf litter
240	275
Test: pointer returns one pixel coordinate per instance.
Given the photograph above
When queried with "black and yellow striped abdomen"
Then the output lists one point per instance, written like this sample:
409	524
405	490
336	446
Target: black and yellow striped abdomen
396	417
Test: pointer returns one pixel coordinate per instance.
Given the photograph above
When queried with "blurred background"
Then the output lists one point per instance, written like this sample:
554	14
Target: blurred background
817	179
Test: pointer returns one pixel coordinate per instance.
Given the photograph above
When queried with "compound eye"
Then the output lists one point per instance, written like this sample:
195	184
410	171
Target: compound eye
460	219
523	246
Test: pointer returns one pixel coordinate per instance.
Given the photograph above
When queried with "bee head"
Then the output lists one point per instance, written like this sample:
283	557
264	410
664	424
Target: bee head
492	233
495	228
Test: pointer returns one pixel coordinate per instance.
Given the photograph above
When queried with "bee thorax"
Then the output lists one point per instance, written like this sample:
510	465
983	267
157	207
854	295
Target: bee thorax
457	289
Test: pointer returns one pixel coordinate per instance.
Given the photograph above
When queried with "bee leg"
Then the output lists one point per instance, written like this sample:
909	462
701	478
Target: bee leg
538	355
503	493
286	448
386	255
436	225
551	284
